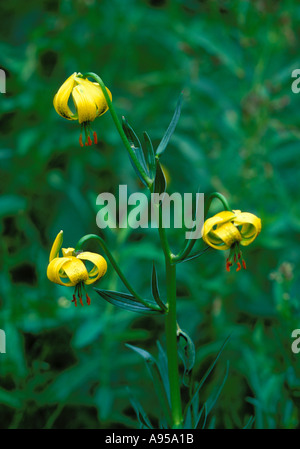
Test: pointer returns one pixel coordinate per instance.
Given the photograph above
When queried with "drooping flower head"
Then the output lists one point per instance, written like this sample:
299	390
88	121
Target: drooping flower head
70	270
229	230
89	103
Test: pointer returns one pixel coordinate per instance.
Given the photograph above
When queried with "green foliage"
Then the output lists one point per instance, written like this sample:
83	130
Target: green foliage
238	134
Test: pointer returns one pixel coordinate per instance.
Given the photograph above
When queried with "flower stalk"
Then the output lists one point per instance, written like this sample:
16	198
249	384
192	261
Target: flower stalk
171	345
119	127
116	267
171	330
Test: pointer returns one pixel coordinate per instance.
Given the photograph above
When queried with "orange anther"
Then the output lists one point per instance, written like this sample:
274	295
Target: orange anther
95	137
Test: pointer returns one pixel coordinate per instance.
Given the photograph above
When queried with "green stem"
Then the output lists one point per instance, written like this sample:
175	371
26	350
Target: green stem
171	329
119	127
103	245
220	197
171	343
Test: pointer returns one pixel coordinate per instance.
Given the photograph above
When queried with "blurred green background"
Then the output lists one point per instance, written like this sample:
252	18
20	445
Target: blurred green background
68	367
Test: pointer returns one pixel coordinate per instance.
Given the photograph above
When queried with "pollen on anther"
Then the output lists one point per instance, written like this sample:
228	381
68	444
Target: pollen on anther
239	266
88	300
90	141
244	264
80	140
80	299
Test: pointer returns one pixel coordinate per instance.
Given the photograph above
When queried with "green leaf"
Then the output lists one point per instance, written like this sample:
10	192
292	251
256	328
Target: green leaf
194	256
249	423
206	375
126	301
150	156
205	415
199	416
137	149
160	183
213	402
140	413
155	374
187	354
155	290
212	365
171	128
163	368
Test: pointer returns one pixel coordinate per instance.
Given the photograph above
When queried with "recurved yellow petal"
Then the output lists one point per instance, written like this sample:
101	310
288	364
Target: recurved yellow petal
55	272
224	236
67	267
250	227
75	270
218	231
99	268
60	101
56	246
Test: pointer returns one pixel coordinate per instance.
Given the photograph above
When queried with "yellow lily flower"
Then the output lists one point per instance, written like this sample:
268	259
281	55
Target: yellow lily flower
229	230
88	100
70	270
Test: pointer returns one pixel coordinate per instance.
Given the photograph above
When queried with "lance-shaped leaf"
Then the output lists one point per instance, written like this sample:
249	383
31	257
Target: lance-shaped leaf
196	392
155	374
194	256
142	417
171	128
187	354
128	302
249	423
160	183
163	368
155	290
211	402
137	149
150	156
